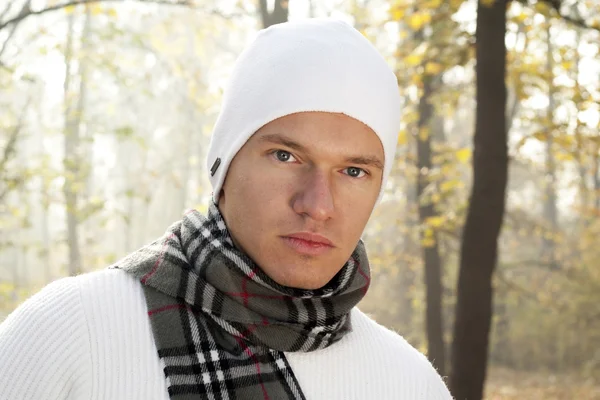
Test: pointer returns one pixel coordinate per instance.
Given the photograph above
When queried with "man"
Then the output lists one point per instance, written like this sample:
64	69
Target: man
257	299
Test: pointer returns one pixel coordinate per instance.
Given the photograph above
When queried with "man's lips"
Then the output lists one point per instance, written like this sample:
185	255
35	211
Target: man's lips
311	238
308	243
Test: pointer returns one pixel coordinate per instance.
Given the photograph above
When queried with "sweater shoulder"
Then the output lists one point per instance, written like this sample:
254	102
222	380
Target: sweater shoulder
44	345
398	356
121	339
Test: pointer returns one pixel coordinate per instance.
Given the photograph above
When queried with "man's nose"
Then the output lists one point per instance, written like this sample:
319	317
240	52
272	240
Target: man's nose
314	197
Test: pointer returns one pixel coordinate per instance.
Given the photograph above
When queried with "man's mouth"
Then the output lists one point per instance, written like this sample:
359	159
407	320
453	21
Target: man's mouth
308	243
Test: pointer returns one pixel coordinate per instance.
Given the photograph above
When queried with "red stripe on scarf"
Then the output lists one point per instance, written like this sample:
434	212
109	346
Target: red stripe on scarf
158	260
247	295
240	340
169	307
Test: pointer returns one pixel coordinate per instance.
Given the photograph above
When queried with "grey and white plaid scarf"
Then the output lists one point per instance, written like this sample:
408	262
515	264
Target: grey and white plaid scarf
221	325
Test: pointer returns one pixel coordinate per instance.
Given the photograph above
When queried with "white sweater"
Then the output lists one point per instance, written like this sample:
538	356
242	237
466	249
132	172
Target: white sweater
89	337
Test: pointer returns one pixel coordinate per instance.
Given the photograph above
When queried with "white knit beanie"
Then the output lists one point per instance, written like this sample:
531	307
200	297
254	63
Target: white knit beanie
316	64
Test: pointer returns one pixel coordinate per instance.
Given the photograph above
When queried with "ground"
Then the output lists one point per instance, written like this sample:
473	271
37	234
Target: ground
504	384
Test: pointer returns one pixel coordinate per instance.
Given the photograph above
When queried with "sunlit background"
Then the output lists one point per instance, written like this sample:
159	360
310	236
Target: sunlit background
106	112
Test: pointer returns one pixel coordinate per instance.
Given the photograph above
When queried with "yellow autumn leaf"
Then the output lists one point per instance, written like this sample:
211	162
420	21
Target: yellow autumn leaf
397	13
413	60
402	137
424	133
488	3
521	17
433	68
455	3
463	155
416	21
567	64
564	157
427	242
434	3
447	186
96	9
70	9
417	80
436	221
111	12
542	7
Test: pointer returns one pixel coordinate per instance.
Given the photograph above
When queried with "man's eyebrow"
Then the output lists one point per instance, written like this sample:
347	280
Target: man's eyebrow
371	161
276	138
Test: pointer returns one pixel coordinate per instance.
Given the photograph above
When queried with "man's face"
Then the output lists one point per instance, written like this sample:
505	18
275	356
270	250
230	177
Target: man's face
298	195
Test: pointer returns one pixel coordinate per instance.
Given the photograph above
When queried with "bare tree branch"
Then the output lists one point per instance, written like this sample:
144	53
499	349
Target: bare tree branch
12	140
9	150
22	16
5	44
4	13
579	22
574	20
26	8
10	147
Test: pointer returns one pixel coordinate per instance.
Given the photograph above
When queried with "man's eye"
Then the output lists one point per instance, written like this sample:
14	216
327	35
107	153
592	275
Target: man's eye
284	156
355	172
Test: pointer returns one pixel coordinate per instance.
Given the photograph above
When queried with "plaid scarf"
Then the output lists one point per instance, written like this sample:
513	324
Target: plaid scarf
221	325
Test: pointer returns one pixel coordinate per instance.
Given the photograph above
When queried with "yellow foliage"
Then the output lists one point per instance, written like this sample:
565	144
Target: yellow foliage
521	17
402	137
433	3
397	13
111	12
433	68
463	155
436	222
423	133
564	156
541	136
417	80
95	9
70	9
427	242
567	64
455	3
416	21
488	3
542	7
413	59
447	186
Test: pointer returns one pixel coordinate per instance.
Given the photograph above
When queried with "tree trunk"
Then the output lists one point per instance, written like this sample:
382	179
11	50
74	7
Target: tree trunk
582	168
431	255
486	208
550	210
72	157
71	162
597	178
408	248
278	15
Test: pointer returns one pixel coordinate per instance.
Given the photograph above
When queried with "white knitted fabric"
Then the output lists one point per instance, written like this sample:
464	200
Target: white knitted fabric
317	64
89	338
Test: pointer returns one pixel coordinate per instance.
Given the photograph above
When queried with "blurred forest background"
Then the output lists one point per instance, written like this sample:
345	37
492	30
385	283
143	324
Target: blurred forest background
106	110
